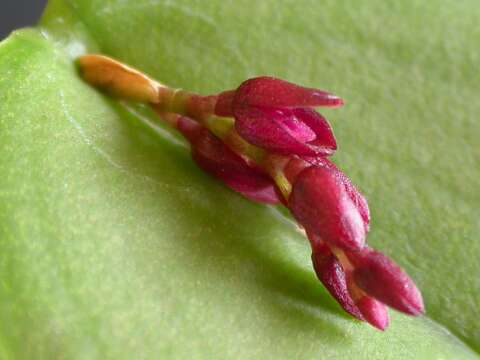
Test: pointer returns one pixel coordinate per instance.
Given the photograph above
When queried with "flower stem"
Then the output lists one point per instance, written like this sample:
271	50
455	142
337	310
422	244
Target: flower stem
127	83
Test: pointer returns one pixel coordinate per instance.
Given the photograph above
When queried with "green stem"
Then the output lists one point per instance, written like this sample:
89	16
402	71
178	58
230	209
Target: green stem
130	84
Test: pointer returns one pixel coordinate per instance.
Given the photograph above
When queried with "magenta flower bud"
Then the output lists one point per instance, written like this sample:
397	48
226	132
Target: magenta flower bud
270	92
355	195
374	312
214	157
277	115
330	272
321	203
381	278
300	131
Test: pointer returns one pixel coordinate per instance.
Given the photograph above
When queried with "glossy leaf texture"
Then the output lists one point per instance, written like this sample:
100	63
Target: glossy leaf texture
114	244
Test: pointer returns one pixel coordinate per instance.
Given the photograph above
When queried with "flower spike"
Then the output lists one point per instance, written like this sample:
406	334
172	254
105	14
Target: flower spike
265	141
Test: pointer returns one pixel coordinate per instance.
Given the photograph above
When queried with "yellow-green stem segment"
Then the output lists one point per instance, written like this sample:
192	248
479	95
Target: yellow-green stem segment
127	83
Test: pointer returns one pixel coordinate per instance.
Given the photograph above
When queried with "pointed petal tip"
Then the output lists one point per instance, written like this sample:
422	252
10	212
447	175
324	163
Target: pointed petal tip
333	101
381	326
339	101
374	312
415	305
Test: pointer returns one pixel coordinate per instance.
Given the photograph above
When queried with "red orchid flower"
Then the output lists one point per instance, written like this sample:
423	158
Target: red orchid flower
277	115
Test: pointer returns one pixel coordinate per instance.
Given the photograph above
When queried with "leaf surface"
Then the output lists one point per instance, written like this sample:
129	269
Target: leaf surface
115	245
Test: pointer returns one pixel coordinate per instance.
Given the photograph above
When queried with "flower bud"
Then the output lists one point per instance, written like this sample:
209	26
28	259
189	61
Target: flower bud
355	195
214	157
299	131
321	204
270	92
330	272
381	278
277	116
374	312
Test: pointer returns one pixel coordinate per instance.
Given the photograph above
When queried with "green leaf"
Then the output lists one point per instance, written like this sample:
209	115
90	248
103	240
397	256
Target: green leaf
115	245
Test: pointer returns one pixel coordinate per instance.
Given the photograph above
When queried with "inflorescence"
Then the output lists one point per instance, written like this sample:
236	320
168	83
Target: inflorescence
265	141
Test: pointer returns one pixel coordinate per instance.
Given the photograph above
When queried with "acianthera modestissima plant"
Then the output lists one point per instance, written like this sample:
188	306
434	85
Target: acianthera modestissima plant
265	141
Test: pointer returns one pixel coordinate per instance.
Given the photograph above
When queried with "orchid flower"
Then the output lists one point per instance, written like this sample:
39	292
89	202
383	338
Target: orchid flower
265	141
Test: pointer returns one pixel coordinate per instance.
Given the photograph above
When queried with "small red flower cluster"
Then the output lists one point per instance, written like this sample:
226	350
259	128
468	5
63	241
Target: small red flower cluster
266	141
278	117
